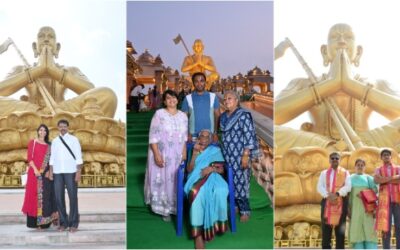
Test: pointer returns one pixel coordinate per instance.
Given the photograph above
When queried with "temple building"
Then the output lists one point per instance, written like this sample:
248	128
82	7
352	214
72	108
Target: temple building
151	71
255	81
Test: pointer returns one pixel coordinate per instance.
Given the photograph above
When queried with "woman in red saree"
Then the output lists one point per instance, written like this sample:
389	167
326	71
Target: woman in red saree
39	204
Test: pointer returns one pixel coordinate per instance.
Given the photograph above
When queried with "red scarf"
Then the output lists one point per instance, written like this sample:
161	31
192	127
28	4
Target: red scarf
333	210
387	193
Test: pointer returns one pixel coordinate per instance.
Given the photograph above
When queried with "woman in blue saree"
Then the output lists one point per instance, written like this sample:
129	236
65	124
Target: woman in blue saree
239	146
207	191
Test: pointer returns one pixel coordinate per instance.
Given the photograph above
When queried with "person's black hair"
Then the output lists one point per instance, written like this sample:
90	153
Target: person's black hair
386	151
198	74
334	153
46	137
63	121
168	92
359	160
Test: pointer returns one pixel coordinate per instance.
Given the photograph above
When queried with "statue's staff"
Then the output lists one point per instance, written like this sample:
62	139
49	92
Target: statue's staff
345	129
42	89
180	39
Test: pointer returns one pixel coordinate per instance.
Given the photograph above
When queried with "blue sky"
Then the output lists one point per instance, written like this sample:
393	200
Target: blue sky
238	35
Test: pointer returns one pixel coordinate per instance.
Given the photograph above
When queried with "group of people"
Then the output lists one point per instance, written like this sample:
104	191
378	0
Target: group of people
52	167
342	199
197	125
137	97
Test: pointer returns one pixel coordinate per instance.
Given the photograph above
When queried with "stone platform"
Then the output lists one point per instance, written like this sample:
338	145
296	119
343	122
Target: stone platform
102	222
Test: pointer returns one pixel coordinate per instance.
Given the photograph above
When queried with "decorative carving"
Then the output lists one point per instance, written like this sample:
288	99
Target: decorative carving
305	160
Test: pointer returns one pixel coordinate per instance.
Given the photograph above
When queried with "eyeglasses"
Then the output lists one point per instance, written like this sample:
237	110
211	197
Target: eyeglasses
334	158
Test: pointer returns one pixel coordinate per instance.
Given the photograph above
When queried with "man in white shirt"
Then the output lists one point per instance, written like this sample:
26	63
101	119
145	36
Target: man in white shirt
135	98
65	168
334	184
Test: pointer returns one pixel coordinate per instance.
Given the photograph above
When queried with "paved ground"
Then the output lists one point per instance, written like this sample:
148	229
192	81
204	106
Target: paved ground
102	222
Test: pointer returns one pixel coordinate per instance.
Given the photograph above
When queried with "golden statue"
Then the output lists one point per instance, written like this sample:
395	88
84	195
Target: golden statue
348	96
90	115
200	63
56	79
340	104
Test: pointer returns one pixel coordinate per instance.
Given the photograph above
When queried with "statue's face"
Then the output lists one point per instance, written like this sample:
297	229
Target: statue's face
341	36
198	46
114	168
46	36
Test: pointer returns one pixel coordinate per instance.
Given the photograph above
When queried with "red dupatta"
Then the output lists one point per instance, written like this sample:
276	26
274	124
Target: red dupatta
333	210
384	199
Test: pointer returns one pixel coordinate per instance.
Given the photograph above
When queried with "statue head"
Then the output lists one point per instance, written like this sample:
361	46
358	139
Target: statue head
3	168
341	36
18	167
114	168
95	168
289	232
315	231
301	230
198	46
278	233
46	36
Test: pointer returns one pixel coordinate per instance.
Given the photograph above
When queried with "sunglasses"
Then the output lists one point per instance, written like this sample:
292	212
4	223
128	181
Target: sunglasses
334	158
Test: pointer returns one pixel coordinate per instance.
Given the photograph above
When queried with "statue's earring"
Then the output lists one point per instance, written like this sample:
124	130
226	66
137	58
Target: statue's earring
324	55
57	50
35	51
356	60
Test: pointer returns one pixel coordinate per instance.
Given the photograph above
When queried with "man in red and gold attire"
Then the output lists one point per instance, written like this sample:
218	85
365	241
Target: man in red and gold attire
334	184
388	178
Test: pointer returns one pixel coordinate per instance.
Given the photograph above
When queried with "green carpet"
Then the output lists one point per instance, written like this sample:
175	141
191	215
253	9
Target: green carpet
147	230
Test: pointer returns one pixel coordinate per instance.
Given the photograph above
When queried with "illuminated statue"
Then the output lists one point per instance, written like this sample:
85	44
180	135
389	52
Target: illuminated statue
200	63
